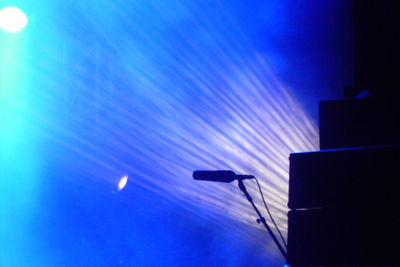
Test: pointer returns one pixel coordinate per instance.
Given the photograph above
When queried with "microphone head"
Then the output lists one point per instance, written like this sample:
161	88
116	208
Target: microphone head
215	176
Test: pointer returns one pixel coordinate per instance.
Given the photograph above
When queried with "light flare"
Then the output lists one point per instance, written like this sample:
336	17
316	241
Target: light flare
12	19
122	182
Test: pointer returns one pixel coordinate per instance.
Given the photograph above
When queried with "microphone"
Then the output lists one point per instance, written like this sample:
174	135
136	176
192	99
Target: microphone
219	176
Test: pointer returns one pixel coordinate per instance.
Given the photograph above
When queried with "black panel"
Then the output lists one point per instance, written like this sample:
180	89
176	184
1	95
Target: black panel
377	46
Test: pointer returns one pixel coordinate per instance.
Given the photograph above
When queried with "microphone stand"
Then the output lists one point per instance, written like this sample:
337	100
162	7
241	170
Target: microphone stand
261	218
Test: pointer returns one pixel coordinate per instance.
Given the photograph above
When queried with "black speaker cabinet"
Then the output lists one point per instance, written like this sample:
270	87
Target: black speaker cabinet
328	237
344	207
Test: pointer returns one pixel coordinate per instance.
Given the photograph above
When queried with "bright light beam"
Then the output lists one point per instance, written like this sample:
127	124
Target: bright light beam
158	94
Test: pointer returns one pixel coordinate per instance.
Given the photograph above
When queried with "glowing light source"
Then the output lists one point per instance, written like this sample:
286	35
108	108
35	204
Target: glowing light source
122	182
12	19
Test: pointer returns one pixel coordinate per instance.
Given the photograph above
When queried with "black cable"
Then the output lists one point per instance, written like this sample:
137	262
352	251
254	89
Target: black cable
269	213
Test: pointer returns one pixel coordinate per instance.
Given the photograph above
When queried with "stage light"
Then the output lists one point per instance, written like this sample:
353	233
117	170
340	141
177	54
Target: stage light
122	182
12	19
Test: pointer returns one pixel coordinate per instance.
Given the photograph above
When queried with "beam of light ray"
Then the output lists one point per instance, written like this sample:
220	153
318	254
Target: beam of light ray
159	99
20	155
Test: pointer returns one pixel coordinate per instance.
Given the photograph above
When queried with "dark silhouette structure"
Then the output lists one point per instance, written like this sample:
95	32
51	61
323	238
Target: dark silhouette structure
344	198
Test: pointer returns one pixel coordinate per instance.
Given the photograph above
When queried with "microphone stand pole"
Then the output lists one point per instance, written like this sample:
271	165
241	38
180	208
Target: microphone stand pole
261	218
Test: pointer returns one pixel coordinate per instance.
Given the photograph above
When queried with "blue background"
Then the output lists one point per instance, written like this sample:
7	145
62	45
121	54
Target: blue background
95	90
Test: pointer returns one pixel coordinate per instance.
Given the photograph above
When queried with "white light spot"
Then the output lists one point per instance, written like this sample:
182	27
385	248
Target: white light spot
12	19
122	182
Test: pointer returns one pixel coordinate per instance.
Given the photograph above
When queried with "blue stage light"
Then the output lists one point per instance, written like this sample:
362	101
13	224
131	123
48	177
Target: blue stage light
12	19
157	106
156	90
